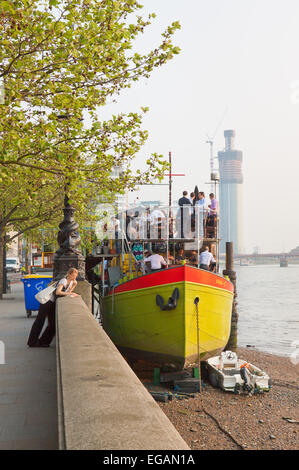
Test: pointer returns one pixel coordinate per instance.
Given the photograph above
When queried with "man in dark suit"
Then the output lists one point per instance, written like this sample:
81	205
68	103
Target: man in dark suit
183	201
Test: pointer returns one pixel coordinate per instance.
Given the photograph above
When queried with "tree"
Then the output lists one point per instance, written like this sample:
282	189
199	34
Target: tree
60	61
32	206
25	205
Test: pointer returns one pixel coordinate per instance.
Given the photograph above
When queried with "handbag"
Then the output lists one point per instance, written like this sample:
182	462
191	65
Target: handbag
43	296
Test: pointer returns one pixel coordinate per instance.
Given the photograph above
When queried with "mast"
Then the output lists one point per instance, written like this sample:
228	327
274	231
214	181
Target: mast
170	185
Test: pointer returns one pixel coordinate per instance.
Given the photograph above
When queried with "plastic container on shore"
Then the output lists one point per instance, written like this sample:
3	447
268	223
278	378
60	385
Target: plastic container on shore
33	283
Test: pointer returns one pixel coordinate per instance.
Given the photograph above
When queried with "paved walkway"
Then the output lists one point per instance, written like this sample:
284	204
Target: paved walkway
28	402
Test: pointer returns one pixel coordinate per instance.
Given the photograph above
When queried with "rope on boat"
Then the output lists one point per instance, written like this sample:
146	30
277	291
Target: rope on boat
112	301
196	302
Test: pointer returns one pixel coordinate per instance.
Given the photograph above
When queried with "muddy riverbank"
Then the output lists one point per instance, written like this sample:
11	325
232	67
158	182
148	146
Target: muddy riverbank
220	420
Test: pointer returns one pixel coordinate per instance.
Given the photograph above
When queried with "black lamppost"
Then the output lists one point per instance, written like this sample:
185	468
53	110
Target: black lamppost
68	256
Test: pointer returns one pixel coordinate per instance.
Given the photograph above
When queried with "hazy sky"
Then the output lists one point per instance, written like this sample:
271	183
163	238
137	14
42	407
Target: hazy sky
241	55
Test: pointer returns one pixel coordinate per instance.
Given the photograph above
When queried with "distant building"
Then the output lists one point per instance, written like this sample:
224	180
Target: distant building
230	194
12	250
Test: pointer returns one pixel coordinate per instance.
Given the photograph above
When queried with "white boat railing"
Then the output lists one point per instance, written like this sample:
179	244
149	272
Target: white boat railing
188	227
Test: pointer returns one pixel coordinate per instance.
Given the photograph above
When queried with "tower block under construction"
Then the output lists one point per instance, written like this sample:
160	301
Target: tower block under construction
230	191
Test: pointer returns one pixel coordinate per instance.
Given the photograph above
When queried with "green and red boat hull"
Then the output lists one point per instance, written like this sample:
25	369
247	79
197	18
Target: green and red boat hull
143	331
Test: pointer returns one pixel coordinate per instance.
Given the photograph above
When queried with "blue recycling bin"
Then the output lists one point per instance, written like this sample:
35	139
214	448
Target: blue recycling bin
33	283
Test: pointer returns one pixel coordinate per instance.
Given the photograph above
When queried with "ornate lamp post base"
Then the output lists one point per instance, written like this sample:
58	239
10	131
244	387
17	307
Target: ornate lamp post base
64	262
68	255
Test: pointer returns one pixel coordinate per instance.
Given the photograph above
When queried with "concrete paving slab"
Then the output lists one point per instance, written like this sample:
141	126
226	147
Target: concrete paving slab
28	397
16	432
7	445
7	399
35	444
14	419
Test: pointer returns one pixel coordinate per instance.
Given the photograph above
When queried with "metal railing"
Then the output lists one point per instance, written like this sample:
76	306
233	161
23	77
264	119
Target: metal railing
181	223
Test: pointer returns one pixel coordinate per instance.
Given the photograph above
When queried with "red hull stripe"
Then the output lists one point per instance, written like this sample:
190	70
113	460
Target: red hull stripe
177	274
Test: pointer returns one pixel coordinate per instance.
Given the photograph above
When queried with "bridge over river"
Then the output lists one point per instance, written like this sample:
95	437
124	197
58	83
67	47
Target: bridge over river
267	258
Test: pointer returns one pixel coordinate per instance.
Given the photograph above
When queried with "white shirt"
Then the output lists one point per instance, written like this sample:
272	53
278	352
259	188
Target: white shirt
156	261
201	203
206	257
64	282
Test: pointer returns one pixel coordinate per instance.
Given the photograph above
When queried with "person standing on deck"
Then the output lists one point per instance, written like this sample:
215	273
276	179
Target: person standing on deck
183	201
200	207
213	206
212	215
193	202
201	201
192	199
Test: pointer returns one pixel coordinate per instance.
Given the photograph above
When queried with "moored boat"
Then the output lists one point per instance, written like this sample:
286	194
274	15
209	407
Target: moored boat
154	317
232	374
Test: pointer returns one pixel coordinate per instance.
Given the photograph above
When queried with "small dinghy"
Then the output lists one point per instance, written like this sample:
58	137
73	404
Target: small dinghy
232	374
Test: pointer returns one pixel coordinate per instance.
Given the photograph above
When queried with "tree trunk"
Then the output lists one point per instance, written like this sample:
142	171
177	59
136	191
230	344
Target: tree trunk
26	256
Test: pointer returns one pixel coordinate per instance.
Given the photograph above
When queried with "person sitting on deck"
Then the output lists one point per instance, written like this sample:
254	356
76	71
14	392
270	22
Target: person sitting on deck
194	258
213	264
180	257
206	258
156	261
171	259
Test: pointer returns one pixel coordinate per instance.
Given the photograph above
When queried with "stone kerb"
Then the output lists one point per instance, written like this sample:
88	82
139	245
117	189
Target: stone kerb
102	405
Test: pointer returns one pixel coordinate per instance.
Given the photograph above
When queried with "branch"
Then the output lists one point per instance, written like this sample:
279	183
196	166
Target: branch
7	71
6	218
35	167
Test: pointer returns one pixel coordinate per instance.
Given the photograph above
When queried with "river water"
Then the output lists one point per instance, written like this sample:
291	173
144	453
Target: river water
268	307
